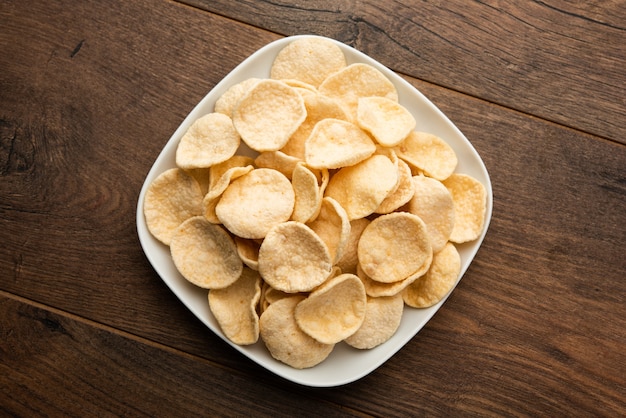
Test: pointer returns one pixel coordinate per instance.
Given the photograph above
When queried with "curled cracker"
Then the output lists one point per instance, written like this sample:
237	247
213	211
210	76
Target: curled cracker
284	339
234	308
308	194
470	204
382	319
437	282
349	259
334	311
332	226
432	202
403	193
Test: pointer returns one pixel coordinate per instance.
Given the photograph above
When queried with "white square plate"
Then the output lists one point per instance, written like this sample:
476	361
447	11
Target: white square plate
345	364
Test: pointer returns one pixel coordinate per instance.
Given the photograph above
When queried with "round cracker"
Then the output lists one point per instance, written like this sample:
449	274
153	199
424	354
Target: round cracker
428	153
432	202
335	143
334	311
284	339
268	114
470	204
255	202
234	308
355	81
393	247
437	282
171	198
309	59
361	188
386	120
205	254
227	102
211	139
293	258
382	319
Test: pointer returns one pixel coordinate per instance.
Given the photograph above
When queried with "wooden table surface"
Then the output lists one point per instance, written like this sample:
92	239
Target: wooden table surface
90	92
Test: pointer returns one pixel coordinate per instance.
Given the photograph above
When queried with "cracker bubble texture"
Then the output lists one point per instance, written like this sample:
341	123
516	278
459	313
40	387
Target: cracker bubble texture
268	114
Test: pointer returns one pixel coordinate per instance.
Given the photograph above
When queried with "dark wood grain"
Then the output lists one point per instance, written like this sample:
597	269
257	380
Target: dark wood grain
88	100
56	365
80	128
559	60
